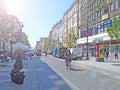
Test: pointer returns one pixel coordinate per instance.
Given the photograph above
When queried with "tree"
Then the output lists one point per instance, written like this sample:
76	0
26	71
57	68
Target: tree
57	43
114	30
4	30
71	39
50	46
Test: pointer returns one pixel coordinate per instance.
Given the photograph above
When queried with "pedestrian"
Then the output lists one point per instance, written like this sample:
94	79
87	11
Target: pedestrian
46	53
67	56
107	54
116	54
30	56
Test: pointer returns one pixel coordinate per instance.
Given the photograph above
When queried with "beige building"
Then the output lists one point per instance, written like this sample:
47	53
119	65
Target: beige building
57	34
42	44
89	18
71	21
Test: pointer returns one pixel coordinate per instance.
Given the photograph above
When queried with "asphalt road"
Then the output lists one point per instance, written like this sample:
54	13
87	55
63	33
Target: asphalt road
83	77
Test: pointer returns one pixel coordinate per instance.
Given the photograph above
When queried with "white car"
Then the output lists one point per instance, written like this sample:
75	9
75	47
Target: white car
76	53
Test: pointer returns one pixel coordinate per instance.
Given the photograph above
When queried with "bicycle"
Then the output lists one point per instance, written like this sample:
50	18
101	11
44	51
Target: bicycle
68	64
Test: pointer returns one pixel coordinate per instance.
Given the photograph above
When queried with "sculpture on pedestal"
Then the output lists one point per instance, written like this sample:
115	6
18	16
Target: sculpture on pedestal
17	75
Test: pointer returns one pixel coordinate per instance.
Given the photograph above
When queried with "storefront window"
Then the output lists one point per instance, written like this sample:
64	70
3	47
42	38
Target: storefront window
113	47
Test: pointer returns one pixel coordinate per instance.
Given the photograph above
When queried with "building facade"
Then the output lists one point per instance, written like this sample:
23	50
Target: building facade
57	34
42	44
71	21
95	17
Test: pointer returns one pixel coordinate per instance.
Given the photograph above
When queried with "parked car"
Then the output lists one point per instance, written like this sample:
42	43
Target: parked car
54	51
76	53
60	52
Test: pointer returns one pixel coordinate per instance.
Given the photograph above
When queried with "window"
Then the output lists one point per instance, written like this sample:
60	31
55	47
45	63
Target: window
102	1
119	3
95	3
111	6
90	32
98	14
95	16
102	11
116	4
98	2
95	30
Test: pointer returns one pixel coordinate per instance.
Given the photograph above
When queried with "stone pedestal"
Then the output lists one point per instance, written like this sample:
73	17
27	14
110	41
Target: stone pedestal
18	77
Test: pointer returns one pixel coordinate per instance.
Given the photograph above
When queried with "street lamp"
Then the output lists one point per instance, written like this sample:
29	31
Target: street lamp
12	41
87	55
12	33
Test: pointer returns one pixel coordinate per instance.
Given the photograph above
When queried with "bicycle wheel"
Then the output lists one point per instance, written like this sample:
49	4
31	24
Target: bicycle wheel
69	65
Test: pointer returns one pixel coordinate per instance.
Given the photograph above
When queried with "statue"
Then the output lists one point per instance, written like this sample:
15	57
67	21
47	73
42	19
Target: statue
17	75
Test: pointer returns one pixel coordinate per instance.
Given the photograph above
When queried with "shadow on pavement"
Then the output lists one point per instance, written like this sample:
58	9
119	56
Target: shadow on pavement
3	65
75	69
116	64
111	61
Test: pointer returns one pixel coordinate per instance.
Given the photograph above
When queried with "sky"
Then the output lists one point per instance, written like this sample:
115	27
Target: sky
38	16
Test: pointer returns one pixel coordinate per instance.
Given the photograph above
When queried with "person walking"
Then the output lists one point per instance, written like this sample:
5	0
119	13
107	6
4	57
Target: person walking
116	54
107	54
46	53
67	56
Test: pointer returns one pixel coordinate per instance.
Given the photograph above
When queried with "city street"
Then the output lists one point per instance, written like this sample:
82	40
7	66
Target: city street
60	45
84	77
49	73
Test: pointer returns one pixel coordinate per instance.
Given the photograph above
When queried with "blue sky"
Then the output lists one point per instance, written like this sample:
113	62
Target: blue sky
38	16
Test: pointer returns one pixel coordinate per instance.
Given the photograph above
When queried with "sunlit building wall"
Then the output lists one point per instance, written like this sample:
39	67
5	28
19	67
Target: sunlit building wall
96	15
57	34
43	44
71	20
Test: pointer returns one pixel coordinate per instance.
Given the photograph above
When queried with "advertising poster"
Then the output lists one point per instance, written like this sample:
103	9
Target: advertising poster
97	51
101	51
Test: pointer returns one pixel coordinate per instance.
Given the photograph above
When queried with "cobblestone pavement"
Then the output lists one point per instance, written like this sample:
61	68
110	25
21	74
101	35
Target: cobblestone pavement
83	76
38	76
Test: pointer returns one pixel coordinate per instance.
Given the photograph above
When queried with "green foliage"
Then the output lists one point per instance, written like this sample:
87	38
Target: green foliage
3	29
111	1
71	39
50	46
57	44
114	30
101	5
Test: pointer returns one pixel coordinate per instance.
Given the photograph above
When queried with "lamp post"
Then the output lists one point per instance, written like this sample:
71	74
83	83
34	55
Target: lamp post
12	41
87	55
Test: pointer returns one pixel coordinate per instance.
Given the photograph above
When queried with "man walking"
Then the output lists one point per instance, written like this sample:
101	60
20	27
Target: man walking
116	54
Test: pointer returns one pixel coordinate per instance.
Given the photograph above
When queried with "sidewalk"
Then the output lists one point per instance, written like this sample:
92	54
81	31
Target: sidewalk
110	65
38	76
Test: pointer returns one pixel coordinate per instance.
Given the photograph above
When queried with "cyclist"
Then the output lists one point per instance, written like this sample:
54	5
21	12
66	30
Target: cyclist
67	56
